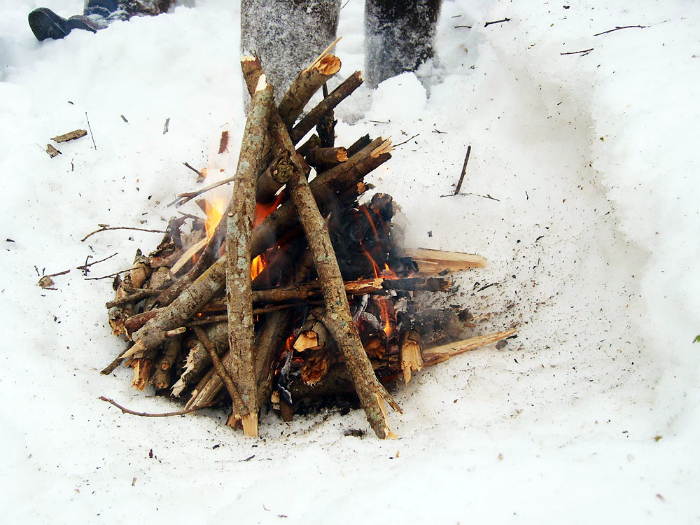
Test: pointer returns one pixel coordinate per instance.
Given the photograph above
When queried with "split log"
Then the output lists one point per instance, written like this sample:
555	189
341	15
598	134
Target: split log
410	348
238	286
312	334
432	262
198	360
438	354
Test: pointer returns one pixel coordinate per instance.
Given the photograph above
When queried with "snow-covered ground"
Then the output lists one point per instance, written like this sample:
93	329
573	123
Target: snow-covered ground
591	232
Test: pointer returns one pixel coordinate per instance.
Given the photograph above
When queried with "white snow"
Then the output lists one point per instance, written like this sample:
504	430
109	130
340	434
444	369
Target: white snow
581	191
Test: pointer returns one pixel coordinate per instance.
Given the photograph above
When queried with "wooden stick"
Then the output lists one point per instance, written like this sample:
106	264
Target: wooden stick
464	170
337	317
306	84
432	262
147	414
339	94
238	288
438	354
326	157
163	373
240	410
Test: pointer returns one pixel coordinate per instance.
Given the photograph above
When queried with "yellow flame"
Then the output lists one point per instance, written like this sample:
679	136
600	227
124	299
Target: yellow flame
256	266
214	211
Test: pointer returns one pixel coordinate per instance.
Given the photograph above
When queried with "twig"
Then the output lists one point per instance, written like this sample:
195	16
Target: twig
468	27
199	173
59	273
166	126
92	136
617	28
487	196
497	22
407	140
147	414
464	170
87	265
184	198
105	228
107	276
582	52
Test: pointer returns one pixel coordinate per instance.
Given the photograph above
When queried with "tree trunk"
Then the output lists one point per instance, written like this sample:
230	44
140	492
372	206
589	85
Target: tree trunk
398	36
287	35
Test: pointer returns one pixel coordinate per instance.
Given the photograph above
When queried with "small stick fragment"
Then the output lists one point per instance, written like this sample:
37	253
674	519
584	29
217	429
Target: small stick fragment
617	28
199	173
582	52
223	143
497	22
92	135
78	133
52	151
464	170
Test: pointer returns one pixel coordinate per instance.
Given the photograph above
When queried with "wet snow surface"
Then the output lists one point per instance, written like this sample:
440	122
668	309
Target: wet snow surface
581	191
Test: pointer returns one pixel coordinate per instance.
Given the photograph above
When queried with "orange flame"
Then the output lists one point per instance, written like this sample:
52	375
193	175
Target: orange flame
257	265
261	212
383	307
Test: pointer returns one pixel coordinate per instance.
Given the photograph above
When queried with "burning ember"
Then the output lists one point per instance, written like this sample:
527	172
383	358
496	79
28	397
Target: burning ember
329	305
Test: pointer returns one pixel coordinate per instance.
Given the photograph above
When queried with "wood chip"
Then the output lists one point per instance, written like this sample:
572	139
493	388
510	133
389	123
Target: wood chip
78	133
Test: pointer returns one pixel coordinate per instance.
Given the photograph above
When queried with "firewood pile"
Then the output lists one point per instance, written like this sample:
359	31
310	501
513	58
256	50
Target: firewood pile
297	291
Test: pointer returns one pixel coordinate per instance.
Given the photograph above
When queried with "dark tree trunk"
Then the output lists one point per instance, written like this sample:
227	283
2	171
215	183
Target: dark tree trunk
287	35
398	36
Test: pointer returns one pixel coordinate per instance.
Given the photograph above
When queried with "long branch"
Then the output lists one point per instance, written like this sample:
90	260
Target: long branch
241	325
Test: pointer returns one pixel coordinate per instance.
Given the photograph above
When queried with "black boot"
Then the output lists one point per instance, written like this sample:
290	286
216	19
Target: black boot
44	23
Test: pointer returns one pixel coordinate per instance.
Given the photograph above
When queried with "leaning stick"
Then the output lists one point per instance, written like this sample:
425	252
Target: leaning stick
339	94
241	326
338	319
306	84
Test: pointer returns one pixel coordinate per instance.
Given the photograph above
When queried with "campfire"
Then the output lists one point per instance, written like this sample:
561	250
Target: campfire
291	289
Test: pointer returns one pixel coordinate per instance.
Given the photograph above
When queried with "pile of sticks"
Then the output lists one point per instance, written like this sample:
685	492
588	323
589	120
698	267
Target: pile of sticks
290	332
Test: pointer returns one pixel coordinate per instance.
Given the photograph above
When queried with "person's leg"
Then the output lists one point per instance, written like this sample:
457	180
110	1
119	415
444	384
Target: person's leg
287	35
44	23
398	36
